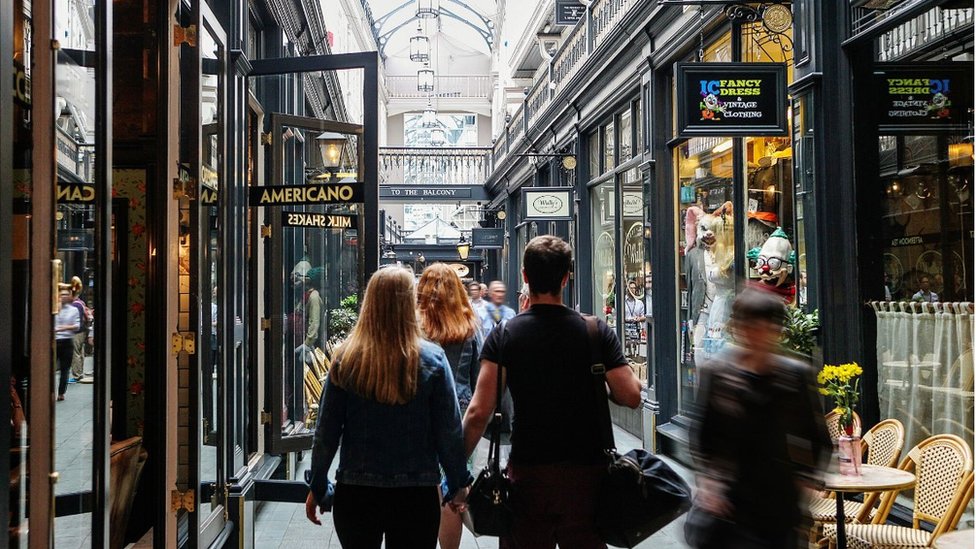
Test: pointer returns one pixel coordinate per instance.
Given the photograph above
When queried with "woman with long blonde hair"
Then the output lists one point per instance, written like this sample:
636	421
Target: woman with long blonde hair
390	410
447	318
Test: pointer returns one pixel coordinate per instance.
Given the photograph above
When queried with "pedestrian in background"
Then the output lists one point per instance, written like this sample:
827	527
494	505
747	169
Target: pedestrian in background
446	318
389	408
495	310
557	460
67	323
78	349
759	435
474	296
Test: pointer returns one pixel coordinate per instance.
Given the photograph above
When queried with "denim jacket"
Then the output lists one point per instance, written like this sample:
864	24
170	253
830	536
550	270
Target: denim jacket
396	445
465	360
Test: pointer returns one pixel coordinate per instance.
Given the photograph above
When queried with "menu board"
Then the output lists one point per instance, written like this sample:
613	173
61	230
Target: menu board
923	97
731	99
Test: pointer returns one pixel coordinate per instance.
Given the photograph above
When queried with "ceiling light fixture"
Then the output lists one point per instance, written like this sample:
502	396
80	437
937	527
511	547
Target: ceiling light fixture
428	9
425	79
420	46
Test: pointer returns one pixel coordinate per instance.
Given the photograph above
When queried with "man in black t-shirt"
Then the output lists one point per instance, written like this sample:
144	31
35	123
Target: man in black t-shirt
557	459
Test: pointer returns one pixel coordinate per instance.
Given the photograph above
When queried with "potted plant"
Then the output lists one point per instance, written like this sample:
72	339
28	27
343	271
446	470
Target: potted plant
342	320
800	331
841	383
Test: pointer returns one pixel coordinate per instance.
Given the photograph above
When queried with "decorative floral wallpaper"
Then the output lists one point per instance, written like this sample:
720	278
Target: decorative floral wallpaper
131	184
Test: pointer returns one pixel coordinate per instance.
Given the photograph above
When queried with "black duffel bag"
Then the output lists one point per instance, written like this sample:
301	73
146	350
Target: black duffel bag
640	493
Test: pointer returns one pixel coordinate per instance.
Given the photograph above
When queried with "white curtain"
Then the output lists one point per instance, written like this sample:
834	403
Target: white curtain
925	367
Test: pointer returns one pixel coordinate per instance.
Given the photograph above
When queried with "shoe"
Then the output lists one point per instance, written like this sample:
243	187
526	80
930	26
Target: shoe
87	379
60	397
72	380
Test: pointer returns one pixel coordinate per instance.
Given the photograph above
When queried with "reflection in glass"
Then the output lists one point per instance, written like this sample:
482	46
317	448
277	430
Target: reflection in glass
636	298
705	253
603	213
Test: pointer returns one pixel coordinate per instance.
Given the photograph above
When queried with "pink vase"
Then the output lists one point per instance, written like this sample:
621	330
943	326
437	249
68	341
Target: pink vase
849	453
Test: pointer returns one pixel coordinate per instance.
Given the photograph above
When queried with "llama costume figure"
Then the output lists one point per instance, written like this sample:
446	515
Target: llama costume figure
708	272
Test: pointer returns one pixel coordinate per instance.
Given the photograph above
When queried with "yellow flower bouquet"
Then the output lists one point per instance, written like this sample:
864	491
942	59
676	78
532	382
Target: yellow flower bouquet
841	383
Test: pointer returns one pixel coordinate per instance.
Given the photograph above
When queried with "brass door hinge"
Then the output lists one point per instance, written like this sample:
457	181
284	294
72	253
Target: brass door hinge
185	341
265	138
265	323
185	35
182	500
265	418
265	231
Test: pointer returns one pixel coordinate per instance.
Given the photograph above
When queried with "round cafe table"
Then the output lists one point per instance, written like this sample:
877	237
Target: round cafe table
960	539
874	478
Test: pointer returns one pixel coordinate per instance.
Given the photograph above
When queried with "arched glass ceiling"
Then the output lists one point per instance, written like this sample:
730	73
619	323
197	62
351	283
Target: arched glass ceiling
463	22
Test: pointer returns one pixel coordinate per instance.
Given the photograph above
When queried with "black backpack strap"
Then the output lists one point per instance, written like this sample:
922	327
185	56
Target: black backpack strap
494	448
599	371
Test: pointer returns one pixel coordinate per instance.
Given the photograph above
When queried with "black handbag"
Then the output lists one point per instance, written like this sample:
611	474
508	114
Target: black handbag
489	512
640	494
704	530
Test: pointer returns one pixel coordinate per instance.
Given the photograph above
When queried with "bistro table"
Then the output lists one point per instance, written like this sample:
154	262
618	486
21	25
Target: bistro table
874	478
960	539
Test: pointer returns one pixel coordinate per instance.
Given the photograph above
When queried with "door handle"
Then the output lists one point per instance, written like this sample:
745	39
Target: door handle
56	272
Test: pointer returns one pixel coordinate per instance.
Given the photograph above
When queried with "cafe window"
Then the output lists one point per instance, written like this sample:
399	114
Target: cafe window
593	149
626	136
603	244
635	303
609	146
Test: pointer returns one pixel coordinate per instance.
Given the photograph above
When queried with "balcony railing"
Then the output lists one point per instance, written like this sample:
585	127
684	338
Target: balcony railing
448	86
602	17
918	33
435	166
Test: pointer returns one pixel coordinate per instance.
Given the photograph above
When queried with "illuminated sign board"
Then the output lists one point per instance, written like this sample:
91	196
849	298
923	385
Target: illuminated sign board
922	97
329	193
731	99
318	220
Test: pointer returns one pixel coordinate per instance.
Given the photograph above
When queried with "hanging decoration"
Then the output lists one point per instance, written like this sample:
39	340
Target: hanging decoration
420	46
428	9
425	79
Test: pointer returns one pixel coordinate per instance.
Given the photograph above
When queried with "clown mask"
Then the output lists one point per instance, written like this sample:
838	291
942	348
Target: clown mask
774	261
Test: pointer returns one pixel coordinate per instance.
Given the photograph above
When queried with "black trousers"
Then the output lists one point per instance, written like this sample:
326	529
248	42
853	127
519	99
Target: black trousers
408	517
65	349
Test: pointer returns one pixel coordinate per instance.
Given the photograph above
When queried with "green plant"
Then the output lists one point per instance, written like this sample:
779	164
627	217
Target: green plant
800	330
342	320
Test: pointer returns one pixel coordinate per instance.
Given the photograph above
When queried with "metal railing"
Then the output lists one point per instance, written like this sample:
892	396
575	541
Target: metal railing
918	33
435	166
446	87
601	18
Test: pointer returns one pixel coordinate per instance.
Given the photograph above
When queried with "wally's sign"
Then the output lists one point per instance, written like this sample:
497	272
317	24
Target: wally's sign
922	97
731	99
547	203
329	193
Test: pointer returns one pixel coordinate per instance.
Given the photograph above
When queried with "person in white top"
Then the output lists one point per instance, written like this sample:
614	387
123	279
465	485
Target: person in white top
66	324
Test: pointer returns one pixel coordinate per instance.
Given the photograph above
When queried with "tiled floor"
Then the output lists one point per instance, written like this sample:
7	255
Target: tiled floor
73	460
284	526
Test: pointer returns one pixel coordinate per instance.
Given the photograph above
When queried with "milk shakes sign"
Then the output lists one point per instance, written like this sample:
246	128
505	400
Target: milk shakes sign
547	203
731	99
319	220
923	96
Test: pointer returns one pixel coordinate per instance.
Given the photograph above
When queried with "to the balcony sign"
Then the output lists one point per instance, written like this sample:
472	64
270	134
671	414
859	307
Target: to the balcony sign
731	99
923	97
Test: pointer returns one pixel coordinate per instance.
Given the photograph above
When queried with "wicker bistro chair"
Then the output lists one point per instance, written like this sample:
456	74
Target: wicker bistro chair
943	466
832	419
881	445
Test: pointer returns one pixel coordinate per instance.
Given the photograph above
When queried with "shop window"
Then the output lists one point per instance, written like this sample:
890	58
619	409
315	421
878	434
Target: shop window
635	297
593	151
762	45
609	147
704	168
924	326
803	154
639	125
626	136
603	244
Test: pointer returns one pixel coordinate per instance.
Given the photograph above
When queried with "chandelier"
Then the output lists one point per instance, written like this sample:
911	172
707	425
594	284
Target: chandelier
425	79
428	9
420	46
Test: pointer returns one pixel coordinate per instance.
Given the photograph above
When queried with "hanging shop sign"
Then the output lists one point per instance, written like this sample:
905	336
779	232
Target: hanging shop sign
923	97
547	203
492	238
731	99
208	195
434	192
569	12
75	193
318	220
329	193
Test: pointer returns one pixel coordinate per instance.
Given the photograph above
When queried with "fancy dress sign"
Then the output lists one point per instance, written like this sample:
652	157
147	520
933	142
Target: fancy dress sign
731	99
923	97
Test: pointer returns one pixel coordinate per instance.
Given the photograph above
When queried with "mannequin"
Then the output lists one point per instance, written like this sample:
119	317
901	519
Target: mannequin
708	272
774	265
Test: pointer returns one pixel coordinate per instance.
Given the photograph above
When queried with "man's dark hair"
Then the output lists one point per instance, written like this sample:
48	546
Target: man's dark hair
546	261
758	304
